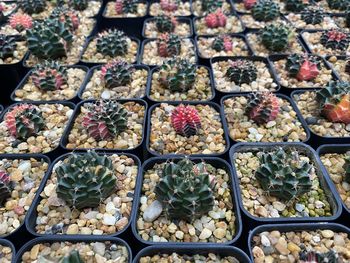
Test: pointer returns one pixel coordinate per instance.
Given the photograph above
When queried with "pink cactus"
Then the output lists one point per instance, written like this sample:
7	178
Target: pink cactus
169	5
248	4
185	120
216	19
20	21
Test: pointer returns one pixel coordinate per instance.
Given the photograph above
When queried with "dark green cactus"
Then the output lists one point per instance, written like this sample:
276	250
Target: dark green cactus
7	46
295	5
241	71
165	23
169	45
312	16
295	62
335	39
312	256
209	6
276	37
265	10
73	257
117	73
32	6
340	5
79	5
66	16
112	42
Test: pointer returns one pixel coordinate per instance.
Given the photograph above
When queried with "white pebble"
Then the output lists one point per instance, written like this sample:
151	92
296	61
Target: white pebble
206	233
109	220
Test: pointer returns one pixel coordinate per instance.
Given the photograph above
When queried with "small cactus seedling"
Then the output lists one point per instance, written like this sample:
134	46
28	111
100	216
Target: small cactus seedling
112	42
262	107
222	43
165	23
216	19
340	5
303	67
20	22
265	10
85	180
126	6
248	4
335	39
24	120
168	45
79	5
185	120
32	6
211	5
105	119
169	5
334	100
241	71
178	74
316	257
117	73
49	76
312	15
5	189
296	5
7	46
68	17
276	37
185	190
346	168
283	174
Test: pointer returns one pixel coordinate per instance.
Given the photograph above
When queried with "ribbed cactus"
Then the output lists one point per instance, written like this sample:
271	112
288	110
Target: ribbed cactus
222	43
126	6
334	101
79	5
276	37
211	5
265	10
303	67
241	71
67	16
112	42
295	5
248	4
85	180
5	187
7	46
341	5
262	107
24	120
185	120
49	75
283	174
216	19
178	74
165	23
335	39
312	15
168	45
169	5
20	21
32	6
116	73
316	257
105	120
73	257
185	190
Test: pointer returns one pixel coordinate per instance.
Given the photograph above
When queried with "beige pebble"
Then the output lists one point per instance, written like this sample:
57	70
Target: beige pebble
73	229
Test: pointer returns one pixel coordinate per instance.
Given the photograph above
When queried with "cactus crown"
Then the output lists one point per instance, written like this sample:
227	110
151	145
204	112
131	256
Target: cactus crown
222	43
126	6
178	74
20	21
165	23
73	257
49	76
66	16
303	67
105	119
265	10
216	19
211	5
85	180
276	37
295	5
7	46
112	42
170	5
185	190
311	256
24	120
262	107
341	5
169	45
312	15
116	73
283	174
335	39
241	71
79	5
32	6
5	187
49	39
185	120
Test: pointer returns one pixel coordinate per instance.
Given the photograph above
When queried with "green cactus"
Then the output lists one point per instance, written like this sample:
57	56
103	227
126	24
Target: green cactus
283	174
165	23
209	6
312	16
335	39
312	256
66	16
265	10
85	180
79	5
295	5
295	62
117	73
7	46
178	74
185	190
5	187
341	5
276	37
126	6
32	6
241	71
112	42
168	45
73	257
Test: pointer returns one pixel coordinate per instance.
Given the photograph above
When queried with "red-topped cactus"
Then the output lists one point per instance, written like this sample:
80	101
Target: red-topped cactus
216	19
335	39
303	67
66	16
262	107
125	6
20	21
168	45
169	5
222	43
248	4
185	120
5	190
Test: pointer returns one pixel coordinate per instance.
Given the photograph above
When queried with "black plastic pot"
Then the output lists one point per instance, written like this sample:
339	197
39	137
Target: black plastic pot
253	59
157	1
326	185
178	19
26	79
231	14
30	221
7	243
335	72
224	251
216	162
77	110
198	66
73	239
212	104
302	121
315	139
293	227
92	71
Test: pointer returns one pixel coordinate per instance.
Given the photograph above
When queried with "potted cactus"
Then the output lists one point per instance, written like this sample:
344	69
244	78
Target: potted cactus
175	7
107	125
37	9
282	181
301	71
217	22
180	80
125	8
75	249
20	178
299	243
17	24
262	117
243	74
156	51
341	66
33	128
116	80
186	200
334	6
85	194
326	111
295	6
7	250
12	49
328	42
50	81
154	27
204	7
192	129
109	45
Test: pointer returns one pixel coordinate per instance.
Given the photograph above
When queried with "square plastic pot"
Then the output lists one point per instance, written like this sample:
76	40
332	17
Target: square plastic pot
302	121
225	251
72	239
32	214
214	161
325	184
7	243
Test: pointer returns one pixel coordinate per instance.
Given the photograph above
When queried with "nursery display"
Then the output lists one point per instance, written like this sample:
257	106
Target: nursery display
175	7
125	8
